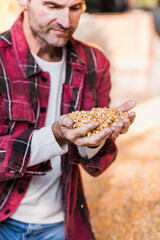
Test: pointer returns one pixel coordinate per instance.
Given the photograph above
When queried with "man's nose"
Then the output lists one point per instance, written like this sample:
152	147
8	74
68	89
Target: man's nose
64	18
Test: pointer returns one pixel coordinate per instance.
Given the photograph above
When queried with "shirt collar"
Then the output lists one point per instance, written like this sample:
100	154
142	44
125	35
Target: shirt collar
71	47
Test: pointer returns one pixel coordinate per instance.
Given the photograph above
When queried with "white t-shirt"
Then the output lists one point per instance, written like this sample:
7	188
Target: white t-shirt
42	203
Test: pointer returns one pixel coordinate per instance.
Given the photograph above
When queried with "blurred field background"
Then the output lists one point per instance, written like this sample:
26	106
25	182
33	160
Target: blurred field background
124	202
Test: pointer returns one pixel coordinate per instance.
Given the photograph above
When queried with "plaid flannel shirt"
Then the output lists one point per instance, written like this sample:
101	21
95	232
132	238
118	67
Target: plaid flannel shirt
24	93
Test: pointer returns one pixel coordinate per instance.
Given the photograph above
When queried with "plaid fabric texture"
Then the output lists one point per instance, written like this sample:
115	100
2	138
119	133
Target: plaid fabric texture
24	93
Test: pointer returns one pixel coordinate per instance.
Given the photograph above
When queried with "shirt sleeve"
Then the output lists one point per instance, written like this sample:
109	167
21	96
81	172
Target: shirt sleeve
87	152
44	146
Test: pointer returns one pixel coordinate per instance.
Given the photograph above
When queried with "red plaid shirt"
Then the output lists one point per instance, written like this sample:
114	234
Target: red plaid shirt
24	93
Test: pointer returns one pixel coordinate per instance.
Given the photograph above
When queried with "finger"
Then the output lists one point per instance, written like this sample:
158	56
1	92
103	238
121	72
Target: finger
66	121
101	135
95	139
132	116
124	130
126	122
83	130
127	106
117	130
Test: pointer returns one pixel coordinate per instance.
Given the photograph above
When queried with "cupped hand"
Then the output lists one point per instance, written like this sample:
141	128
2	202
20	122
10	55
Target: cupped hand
123	126
64	132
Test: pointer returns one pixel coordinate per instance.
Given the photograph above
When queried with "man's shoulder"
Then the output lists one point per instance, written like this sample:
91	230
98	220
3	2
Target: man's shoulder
90	51
90	46
5	39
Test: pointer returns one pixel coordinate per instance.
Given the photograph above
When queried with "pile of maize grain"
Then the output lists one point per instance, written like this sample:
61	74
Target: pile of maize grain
107	117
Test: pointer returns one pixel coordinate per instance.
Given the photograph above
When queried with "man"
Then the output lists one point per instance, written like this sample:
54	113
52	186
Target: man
45	73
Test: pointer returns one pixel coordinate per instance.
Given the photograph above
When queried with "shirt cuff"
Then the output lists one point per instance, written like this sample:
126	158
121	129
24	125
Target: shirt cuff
44	146
87	152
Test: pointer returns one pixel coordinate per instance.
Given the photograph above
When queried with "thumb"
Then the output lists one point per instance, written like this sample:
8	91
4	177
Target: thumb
66	121
127	106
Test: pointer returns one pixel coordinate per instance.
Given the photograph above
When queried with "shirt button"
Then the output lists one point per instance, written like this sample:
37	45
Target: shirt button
43	78
21	190
7	211
43	109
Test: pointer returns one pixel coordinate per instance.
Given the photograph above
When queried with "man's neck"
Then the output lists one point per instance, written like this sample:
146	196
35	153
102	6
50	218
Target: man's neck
50	54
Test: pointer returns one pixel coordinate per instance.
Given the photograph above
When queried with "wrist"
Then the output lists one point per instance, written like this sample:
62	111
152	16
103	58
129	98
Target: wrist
58	134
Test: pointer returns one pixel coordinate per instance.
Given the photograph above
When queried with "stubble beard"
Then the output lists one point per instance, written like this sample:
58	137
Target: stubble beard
46	38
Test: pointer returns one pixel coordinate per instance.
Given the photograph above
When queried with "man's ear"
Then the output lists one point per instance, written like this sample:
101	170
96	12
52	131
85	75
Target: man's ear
23	3
84	7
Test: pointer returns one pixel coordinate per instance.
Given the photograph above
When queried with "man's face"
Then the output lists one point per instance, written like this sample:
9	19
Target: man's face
53	21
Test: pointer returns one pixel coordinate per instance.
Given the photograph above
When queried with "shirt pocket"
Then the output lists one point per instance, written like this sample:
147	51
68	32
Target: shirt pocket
89	100
16	111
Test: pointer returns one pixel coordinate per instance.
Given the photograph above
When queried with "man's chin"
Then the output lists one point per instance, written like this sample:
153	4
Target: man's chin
60	43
